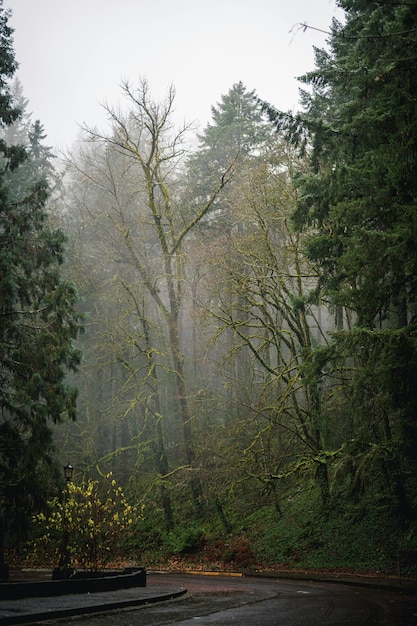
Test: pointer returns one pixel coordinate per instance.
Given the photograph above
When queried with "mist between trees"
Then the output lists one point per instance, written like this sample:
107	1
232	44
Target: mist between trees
193	350
249	353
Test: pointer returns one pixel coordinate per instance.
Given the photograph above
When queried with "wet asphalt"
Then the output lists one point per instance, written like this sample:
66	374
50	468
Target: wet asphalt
159	589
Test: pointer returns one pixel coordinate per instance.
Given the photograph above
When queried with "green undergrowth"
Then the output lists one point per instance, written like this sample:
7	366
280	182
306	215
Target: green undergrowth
365	539
337	540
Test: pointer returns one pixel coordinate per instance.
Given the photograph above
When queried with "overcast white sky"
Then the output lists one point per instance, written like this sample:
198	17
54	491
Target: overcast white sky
73	54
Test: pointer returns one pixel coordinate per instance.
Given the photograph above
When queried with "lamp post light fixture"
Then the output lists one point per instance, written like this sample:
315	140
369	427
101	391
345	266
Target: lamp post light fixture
68	471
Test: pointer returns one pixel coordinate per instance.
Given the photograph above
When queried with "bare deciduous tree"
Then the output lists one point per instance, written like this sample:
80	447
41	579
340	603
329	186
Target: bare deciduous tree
136	169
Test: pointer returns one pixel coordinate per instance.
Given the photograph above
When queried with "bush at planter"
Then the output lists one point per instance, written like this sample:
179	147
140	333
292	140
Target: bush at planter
97	519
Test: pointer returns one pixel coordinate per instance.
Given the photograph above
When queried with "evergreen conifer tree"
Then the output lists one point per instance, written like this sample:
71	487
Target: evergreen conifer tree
38	317
238	132
359	126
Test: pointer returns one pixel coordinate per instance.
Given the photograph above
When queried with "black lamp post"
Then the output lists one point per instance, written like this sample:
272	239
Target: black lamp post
64	569
68	470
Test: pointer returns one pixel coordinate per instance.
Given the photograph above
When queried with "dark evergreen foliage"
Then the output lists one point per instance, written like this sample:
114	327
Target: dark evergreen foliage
237	132
38	317
359	200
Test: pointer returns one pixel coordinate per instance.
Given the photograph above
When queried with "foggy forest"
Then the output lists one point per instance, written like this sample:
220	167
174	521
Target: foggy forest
217	330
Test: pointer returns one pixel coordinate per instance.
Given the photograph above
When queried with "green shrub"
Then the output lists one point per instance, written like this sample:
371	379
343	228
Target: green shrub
185	539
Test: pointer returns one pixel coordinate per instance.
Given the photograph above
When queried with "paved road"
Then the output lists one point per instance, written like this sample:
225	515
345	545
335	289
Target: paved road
251	601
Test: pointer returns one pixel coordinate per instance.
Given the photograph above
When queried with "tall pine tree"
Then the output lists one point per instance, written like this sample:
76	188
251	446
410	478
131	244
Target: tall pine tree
359	126
238	132
38	317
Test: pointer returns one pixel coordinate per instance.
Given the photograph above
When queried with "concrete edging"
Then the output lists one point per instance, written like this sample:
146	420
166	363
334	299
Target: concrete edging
50	588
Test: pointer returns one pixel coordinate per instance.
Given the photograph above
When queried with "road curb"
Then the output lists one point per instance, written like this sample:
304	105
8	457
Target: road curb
88	609
390	584
395	584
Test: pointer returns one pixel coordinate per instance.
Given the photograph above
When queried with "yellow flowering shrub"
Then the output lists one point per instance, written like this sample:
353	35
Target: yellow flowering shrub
94	521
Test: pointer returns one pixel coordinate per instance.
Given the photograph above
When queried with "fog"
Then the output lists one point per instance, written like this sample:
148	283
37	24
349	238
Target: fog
74	55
